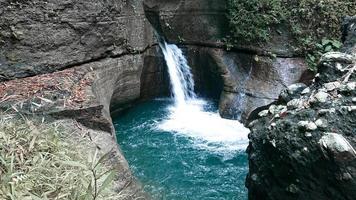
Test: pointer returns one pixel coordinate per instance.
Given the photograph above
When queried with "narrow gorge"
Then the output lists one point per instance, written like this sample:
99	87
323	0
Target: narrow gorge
158	99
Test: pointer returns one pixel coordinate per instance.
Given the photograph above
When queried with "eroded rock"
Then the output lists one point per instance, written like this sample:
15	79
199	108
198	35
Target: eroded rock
295	104
320	97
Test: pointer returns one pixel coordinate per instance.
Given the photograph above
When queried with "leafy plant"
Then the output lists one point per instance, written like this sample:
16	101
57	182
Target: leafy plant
325	46
40	160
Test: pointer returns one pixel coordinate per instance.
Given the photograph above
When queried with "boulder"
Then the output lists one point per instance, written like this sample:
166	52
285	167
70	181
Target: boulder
337	147
312	155
292	91
295	104
332	66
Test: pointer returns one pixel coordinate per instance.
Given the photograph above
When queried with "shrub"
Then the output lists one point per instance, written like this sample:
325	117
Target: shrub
309	21
251	21
40	160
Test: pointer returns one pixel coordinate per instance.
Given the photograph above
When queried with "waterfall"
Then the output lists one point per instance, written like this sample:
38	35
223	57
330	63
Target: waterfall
181	78
189	115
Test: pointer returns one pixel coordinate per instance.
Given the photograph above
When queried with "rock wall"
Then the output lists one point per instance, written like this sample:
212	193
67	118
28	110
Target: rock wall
252	81
40	37
304	146
252	75
44	36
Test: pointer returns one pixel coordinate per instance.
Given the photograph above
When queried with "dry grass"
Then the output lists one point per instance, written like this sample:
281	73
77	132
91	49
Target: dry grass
39	160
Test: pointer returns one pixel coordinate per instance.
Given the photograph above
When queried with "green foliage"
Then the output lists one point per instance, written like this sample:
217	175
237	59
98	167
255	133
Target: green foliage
37	161
254	22
325	46
181	39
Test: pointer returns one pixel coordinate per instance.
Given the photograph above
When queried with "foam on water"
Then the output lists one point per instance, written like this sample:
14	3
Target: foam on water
188	116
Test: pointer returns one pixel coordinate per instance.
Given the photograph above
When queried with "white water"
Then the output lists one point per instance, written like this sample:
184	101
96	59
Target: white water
189	118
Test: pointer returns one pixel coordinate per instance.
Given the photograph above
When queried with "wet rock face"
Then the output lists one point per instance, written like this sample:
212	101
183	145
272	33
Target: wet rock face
39	37
307	150
242	82
206	73
154	76
253	81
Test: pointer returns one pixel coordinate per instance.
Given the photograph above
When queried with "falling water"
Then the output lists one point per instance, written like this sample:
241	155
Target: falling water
181	78
189	115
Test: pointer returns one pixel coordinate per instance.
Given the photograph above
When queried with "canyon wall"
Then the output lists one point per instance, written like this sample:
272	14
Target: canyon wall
44	37
82	60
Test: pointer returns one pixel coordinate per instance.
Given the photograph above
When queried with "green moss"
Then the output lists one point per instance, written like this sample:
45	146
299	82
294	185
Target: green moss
251	21
309	21
254	20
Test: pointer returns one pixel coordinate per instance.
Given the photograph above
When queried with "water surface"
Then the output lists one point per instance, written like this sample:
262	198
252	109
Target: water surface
176	166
